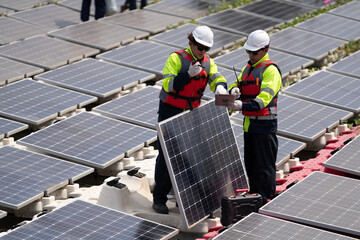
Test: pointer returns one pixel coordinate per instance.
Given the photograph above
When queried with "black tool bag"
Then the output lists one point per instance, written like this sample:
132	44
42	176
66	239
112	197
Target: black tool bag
234	208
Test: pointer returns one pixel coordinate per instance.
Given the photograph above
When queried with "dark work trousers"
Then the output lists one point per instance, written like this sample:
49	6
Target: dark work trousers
260	152
162	179
100	8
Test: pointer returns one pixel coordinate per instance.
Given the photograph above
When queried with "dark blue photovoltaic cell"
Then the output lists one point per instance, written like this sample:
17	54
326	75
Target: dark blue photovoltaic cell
34	102
323	200
203	160
26	175
84	220
9	127
348	66
90	139
313	3
349	10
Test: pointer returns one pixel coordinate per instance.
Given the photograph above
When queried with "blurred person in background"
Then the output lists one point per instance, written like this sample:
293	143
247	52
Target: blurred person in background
100	9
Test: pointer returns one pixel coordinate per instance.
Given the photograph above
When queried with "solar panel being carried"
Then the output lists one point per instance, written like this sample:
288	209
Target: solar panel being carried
348	66
9	127
177	37
152	22
143	55
332	26
203	160
98	78
84	220
100	35
304	43
34	103
321	200
288	63
90	139
25	176
139	107
228	20
330	89
346	159
46	52
258	226
348	10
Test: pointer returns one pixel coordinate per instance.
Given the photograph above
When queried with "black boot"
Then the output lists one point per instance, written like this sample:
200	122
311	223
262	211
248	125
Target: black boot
160	208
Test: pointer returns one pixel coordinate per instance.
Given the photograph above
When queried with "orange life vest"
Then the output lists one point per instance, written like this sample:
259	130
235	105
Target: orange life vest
190	95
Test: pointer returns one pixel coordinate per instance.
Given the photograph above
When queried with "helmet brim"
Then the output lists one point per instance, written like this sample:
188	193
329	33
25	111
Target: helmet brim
202	42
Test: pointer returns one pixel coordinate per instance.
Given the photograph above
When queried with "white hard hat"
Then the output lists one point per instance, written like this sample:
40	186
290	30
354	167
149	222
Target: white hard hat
257	39
203	35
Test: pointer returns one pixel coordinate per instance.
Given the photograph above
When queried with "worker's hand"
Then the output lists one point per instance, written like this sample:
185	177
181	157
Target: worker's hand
194	69
221	90
235	92
236	105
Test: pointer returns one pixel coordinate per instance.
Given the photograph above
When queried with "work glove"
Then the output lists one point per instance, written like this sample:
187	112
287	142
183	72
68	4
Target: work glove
221	90
194	69
236	105
235	92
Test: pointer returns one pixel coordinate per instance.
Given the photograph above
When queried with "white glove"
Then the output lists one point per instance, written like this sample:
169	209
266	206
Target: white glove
235	92
221	90
194	69
236	105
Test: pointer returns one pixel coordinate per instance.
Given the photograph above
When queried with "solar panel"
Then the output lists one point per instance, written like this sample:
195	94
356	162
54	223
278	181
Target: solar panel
2	214
313	3
100	35
286	147
46	52
304	120
186	8
228	20
349	10
25	176
94	77
90	139
143	55
346	159
21	5
304	43
76	5
84	220
347	66
322	200
11	71
51	16
12	30
330	89
35	103
139	107
280	10
177	37
9	127
258	226
332	26
149	21
288	63
203	160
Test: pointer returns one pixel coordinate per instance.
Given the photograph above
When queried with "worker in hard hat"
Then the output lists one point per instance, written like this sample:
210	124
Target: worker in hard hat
185	77
257	90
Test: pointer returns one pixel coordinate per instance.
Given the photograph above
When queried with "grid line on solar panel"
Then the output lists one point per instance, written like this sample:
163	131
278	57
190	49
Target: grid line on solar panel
201	152
8	127
84	220
348	10
329	89
322	200
257	226
51	16
149	21
347	66
346	159
332	26
139	107
35	103
143	55
228	20
100	35
94	77
90	139
46	52
25	176
304	43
